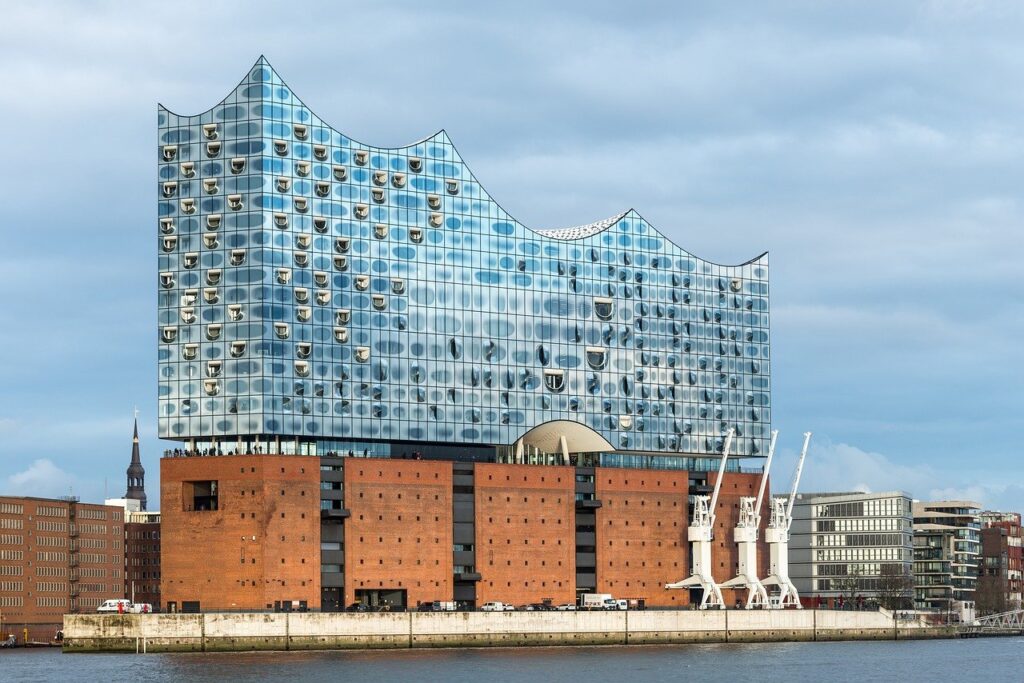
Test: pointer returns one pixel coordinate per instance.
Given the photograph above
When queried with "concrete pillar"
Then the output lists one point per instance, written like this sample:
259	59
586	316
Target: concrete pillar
565	449
518	459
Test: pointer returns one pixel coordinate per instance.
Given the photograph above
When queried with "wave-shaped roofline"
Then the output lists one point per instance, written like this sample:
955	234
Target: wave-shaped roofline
563	234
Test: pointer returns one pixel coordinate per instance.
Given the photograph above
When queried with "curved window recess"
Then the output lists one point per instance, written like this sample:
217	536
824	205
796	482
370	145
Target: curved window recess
212	150
554	380
213	368
604	308
301	295
340	173
213	221
210	240
379	302
167	225
736	284
284	184
341	334
397	286
237	349
303	349
362	353
281	220
380	231
170	188
169	334
490	350
235	313
284	275
210	185
415	235
235	202
301	259
213	332
170	152
302	168
360	157
380	178
362	282
211	295
167	280
188	298
237	257
320	152
188	315
597	357
398	180
625	422
211	387
237	165
362	211
322	189
343	315
341	263
281	330
415	164
323	297
320	278
301	204
188	169
543	356
434	201
379	195
455	348
210	131
281	147
452	186
320	224
190	351
300	130
303	241
190	259
169	243
436	220
213	276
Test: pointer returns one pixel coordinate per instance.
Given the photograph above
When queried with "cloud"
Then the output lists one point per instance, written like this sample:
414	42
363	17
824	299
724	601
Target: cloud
42	479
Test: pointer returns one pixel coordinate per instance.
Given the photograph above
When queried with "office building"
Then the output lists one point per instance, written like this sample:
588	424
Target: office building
321	297
947	547
852	547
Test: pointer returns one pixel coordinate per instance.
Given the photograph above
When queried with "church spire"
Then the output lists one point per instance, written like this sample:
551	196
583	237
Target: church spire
136	473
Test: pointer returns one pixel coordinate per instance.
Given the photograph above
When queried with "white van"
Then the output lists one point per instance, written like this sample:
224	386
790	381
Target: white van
115	607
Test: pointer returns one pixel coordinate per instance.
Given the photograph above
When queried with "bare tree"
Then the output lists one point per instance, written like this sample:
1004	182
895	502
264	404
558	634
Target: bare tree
990	595
849	585
896	587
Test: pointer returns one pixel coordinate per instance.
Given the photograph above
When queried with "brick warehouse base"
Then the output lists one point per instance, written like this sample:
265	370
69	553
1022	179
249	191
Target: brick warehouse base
405	532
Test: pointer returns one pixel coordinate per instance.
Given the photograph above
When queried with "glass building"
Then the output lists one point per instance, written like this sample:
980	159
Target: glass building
318	295
947	551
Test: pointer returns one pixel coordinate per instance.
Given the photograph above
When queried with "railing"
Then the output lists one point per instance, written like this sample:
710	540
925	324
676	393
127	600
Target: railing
1004	623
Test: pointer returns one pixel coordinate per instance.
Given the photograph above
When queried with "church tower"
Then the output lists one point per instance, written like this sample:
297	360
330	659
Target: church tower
136	473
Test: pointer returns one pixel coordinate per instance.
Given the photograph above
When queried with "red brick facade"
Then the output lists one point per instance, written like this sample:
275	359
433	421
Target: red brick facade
56	557
257	545
724	553
399	534
525	529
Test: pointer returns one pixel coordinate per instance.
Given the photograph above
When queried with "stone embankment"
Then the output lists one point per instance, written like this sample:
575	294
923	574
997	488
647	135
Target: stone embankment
215	632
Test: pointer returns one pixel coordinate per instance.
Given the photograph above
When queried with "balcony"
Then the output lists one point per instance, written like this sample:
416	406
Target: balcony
336	515
468	576
588	504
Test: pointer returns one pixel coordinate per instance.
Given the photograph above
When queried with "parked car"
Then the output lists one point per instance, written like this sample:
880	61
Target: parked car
358	607
492	607
567	607
510	608
141	608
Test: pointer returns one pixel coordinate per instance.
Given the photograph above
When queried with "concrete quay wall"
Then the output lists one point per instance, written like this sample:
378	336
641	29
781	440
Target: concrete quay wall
213	632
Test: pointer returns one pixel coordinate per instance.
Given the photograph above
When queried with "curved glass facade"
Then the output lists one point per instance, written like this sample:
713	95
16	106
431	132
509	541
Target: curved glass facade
315	288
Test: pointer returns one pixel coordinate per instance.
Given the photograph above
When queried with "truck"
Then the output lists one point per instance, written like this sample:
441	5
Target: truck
121	606
497	607
594	600
443	606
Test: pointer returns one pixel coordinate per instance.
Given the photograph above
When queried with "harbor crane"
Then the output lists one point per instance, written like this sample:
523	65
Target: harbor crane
777	536
701	533
745	535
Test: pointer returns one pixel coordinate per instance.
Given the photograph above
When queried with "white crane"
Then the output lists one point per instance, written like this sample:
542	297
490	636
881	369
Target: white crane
701	533
777	535
746	534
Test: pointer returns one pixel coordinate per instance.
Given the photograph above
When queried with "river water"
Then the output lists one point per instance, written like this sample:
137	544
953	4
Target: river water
982	659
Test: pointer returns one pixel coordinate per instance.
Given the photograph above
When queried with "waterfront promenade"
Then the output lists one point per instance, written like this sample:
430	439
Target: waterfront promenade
212	632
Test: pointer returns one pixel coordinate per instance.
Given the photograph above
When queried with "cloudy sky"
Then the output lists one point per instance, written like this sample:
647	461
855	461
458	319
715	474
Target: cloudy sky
875	149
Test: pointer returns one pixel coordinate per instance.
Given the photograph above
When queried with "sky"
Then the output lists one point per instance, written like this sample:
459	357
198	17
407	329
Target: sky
875	149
